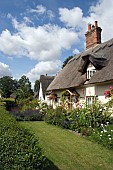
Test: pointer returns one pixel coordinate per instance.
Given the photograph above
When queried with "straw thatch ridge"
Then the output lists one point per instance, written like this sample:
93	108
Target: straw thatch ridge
45	81
74	73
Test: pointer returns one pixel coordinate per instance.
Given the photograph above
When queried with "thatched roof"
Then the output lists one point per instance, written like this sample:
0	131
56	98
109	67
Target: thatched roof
74	73
45	80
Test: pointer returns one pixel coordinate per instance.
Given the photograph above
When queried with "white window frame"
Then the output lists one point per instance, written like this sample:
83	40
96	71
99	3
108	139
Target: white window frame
90	71
90	100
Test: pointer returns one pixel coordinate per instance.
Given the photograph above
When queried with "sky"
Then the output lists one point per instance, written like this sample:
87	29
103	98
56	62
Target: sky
36	36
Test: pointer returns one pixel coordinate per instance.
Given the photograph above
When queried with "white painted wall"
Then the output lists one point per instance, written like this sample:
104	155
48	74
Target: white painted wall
100	89
92	90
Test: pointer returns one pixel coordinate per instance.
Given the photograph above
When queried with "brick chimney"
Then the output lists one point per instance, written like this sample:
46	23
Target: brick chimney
93	35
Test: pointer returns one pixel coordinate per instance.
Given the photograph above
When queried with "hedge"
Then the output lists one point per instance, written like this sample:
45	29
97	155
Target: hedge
19	149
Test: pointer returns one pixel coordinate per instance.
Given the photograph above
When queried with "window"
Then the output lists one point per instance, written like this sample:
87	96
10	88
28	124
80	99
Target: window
90	71
90	100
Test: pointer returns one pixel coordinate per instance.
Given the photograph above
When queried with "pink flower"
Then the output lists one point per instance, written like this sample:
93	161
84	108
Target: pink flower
111	87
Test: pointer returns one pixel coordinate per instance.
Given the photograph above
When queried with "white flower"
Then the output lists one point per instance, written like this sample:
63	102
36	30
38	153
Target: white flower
107	123
100	135
109	135
102	125
101	131
111	130
105	130
109	138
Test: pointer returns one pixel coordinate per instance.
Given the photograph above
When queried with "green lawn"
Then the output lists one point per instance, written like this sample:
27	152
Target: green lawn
69	151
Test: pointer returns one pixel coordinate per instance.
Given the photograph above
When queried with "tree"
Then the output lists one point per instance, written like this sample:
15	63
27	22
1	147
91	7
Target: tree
7	86
24	88
66	61
36	86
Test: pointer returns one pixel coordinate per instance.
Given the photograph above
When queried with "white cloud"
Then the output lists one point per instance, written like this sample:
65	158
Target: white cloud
46	43
11	44
41	43
50	14
4	70
40	9
44	67
102	12
76	51
72	17
27	20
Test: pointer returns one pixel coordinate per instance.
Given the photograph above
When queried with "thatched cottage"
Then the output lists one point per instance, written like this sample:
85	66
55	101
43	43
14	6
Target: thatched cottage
45	81
88	74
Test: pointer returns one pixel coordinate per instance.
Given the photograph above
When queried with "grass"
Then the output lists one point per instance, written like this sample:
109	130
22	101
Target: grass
69	151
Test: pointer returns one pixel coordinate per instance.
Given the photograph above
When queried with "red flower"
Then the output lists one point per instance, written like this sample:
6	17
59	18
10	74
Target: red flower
50	97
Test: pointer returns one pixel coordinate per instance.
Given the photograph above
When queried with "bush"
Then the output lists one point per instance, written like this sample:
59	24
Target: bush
7	103
30	110
104	135
28	115
18	148
87	121
58	117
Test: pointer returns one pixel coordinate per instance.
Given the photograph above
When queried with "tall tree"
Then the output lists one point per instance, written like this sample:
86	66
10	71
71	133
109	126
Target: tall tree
66	61
24	88
36	86
7	86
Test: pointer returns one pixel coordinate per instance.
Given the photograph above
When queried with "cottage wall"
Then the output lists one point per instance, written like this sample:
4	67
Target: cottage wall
100	89
94	91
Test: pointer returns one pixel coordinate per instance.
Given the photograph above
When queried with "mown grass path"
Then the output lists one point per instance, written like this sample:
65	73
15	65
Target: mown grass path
69	151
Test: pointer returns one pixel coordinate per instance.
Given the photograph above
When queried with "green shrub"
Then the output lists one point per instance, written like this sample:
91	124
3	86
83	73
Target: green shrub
18	148
28	115
87	121
29	110
104	135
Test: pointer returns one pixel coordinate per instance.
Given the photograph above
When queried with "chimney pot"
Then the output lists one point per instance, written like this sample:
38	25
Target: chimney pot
96	24
93	26
89	27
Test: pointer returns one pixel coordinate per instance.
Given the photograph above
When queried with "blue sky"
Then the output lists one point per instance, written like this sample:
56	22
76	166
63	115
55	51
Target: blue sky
37	35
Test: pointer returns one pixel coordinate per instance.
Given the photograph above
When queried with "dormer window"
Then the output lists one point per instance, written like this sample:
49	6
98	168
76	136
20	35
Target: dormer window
90	71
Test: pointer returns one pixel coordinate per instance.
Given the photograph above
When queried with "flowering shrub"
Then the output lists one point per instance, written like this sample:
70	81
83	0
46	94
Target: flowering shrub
53	97
104	135
89	121
50	97
31	110
109	92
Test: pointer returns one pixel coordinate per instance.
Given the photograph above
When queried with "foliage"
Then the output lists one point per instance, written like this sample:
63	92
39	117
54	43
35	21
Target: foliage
7	86
63	95
37	86
57	116
104	135
66	61
19	149
30	110
28	115
24	88
8	103
83	120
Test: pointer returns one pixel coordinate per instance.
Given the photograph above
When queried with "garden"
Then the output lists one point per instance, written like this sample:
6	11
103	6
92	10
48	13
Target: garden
20	148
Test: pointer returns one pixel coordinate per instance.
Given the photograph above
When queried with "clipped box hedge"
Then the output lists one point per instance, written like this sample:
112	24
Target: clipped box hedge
19	150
